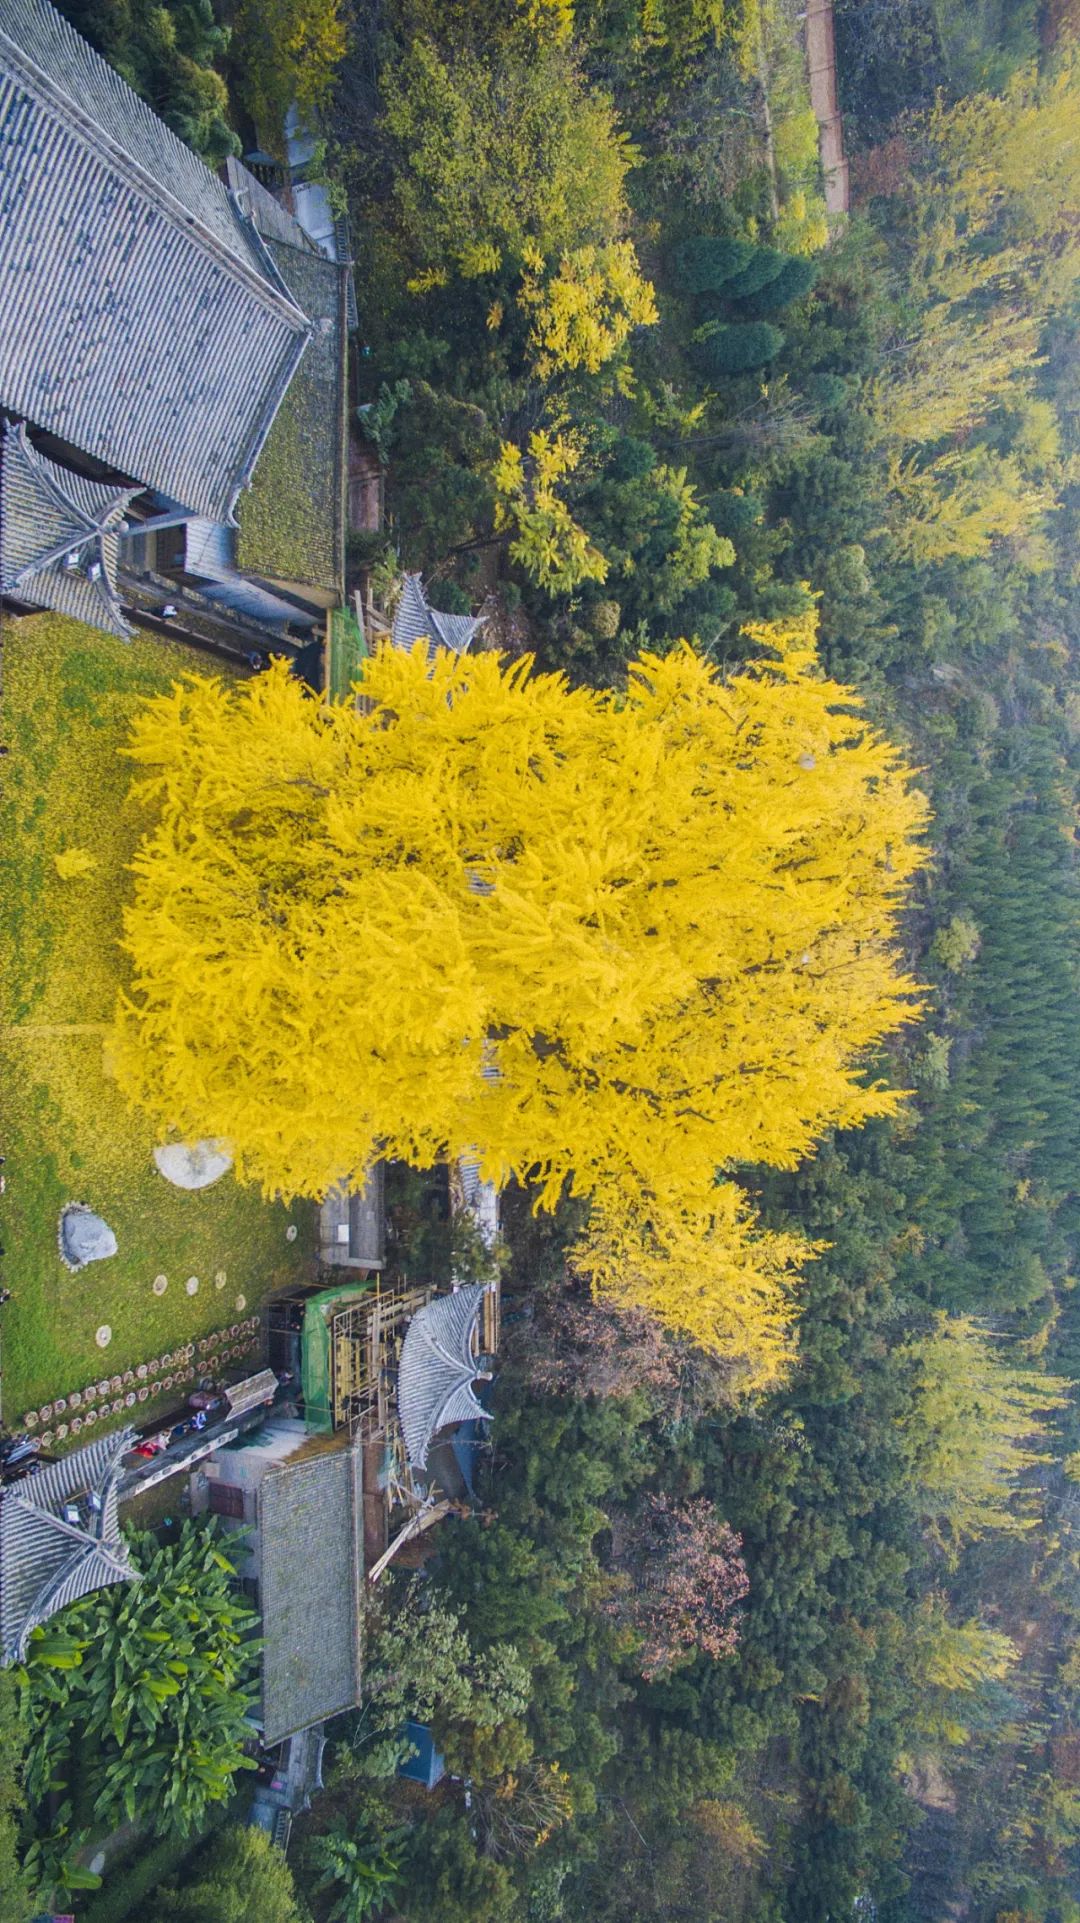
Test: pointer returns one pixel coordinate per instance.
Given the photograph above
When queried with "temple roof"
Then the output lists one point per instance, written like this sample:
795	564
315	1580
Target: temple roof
58	535
438	1368
311	1535
415	620
144	320
47	1562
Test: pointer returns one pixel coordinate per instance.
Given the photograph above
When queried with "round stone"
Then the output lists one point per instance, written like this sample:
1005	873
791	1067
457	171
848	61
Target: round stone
47	1439
75	1399
84	1237
45	1411
61	1431
103	1339
141	1371
192	1285
220	1279
76	1425
241	1303
144	1394
192	1165
116	1383
291	1232
159	1284
90	1418
129	1399
30	1419
60	1405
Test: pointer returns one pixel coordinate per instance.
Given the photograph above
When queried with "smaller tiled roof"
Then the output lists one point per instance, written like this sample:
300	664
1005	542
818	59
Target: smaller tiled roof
416	620
311	1533
251	1392
58	535
47	1562
438	1368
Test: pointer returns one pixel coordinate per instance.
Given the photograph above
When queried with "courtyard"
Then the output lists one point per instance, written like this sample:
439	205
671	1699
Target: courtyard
188	1264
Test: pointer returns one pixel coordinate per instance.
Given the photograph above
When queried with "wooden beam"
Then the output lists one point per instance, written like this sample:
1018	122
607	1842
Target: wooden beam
425	1518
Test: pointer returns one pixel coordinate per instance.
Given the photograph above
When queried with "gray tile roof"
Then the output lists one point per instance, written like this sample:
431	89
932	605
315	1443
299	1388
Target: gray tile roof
437	1369
144	320
50	517
47	1563
311	1532
415	620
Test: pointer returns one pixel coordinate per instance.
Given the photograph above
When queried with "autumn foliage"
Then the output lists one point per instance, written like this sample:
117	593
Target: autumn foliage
619	943
682	1575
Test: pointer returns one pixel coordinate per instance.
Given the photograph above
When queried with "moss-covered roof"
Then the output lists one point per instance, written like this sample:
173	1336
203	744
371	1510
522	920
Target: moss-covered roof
292	525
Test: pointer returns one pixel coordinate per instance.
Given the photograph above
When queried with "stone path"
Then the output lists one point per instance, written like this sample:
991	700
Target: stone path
825	100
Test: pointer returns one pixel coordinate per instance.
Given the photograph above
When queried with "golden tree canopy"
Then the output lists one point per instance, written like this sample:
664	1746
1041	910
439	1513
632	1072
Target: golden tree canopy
615	942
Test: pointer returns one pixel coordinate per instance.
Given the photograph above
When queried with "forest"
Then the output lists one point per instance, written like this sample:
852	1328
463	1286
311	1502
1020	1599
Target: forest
793	1644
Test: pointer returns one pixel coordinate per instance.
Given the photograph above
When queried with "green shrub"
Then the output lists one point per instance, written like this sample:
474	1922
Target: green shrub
732	513
734	349
704	264
169	54
127	1887
796	277
764	265
240	1878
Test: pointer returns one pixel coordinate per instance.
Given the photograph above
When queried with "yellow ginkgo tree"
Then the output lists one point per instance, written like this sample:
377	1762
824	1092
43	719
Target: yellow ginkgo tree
547	541
583	315
618	943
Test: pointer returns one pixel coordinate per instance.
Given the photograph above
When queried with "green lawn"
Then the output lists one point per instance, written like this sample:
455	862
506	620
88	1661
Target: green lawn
68	695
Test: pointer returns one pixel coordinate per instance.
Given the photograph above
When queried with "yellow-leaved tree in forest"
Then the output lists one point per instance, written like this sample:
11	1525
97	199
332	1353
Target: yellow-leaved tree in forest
618	943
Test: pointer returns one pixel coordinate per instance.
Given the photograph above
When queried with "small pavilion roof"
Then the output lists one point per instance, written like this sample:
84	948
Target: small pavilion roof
47	1562
58	535
438	1368
251	1392
415	619
144	321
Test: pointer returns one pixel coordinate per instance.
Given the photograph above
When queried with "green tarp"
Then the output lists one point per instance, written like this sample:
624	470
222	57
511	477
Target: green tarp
315	1351
346	651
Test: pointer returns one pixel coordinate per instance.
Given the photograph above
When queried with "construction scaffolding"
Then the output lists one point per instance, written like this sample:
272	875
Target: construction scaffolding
347	1343
365	1348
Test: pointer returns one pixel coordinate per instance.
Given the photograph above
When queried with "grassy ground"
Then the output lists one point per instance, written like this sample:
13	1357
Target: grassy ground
68	696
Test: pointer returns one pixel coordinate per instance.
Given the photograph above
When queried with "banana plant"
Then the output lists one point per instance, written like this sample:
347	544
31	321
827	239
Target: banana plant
151	1683
364	1871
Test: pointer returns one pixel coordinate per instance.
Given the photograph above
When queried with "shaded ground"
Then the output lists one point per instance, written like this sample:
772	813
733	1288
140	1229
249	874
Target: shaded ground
68	696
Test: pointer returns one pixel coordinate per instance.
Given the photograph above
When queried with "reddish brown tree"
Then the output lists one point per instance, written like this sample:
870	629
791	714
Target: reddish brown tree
682	1576
578	1345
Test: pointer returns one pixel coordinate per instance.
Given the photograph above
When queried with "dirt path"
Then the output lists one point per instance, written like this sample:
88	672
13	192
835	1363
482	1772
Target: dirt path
825	99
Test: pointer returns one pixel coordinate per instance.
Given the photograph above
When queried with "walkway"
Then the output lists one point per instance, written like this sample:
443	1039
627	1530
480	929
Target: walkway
825	100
